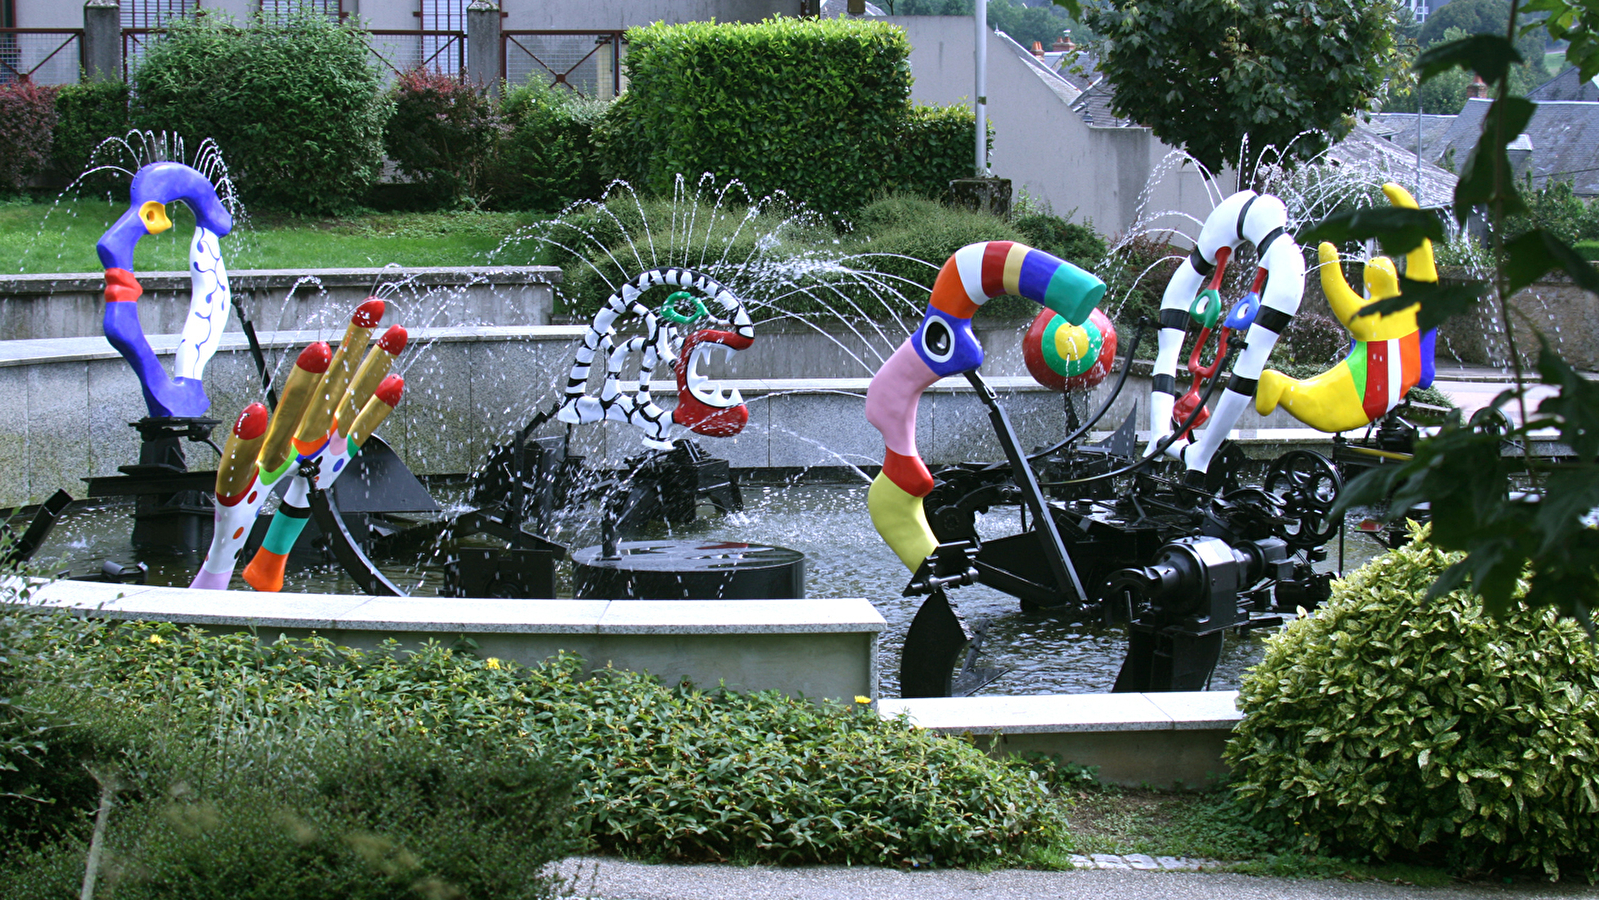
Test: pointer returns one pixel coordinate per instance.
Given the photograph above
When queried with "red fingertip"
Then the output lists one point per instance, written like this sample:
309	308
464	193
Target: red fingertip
315	358
252	423
393	340
368	314
390	390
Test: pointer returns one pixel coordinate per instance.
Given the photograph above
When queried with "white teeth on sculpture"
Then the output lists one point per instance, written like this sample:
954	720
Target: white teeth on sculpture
699	384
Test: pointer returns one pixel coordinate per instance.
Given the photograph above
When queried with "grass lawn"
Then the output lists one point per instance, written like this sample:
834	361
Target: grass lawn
48	237
1204	825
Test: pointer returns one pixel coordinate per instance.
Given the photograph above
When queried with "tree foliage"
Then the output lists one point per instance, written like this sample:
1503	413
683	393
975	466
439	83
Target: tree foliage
1512	514
1209	75
297	107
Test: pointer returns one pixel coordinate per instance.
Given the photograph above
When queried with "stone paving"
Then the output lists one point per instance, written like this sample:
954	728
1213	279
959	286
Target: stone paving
1146	863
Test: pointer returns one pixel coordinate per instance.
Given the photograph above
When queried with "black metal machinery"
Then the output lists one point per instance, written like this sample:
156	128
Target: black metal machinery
1108	535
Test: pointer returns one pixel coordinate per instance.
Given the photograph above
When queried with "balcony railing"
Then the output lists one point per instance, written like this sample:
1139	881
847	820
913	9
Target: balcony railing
588	63
399	52
40	55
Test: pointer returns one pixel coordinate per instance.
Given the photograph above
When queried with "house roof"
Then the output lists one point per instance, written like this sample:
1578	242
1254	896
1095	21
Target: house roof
1400	129
1566	86
1372	152
1563	138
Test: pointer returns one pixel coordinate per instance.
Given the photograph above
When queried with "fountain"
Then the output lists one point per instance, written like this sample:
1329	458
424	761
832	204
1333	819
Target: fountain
531	480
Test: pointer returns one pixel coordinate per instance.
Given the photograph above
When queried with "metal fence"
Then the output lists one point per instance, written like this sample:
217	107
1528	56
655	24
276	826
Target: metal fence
40	55
398	52
589	63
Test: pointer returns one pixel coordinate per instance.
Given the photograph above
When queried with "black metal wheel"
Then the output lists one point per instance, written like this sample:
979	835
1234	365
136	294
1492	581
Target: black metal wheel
1308	484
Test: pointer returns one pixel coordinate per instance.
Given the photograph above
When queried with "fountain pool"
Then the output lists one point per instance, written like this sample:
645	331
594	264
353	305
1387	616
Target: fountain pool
1043	654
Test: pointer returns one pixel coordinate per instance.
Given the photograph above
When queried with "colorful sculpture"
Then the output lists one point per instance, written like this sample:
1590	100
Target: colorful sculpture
701	407
1065	357
944	345
1259	219
1389	355
154	186
311	430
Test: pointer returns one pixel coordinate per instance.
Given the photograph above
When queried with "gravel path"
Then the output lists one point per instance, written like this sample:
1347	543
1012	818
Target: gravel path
611	879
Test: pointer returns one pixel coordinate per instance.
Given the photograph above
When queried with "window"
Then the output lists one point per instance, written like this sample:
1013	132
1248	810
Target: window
278	10
154	13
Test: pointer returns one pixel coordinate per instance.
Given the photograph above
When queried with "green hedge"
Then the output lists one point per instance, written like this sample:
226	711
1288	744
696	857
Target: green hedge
1392	724
297	108
817	109
87	115
548	156
661	771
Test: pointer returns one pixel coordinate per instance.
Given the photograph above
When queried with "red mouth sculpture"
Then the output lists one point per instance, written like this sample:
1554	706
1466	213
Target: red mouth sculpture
702	407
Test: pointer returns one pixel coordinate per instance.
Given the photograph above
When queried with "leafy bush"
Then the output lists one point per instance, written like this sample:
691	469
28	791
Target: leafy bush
1392	722
27	120
819	109
86	115
1072	241
660	771
1555	208
908	238
933	148
548	157
297	107
442	135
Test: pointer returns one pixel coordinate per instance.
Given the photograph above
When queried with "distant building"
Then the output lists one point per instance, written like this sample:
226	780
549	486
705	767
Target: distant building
1560	143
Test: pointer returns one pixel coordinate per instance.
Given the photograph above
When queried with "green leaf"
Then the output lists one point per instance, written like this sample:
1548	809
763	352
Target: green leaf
1487	171
1576	405
1490	56
1532	255
1439	301
1399	230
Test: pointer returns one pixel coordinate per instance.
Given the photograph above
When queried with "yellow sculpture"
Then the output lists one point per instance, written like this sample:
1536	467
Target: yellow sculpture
1389	357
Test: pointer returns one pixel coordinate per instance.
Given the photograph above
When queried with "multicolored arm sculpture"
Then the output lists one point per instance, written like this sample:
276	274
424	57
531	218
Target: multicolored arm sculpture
256	456
944	345
1258	219
370	396
1389	356
246	477
154	186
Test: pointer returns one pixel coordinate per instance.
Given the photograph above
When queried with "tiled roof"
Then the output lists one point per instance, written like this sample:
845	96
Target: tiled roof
1565	86
1564	138
1370	151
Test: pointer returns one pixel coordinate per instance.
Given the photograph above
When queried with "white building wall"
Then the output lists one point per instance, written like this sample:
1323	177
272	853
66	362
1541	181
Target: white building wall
1098	174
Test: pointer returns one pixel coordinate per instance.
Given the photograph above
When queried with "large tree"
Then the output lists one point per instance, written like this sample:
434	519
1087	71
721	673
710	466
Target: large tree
1207	74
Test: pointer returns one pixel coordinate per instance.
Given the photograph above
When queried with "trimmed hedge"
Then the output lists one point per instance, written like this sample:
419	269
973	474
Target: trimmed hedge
661	771
548	156
819	109
1394	724
87	115
297	107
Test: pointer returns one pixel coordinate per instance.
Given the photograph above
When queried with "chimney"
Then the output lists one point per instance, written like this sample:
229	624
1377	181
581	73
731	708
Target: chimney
1063	44
1038	49
1478	89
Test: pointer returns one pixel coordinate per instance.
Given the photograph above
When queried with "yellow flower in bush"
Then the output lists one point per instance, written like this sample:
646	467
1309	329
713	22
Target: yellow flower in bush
862	699
493	662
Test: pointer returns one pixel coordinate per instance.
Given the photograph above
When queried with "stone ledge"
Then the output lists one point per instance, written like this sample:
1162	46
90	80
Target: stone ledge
450	615
40	351
260	279
1057	713
817	648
